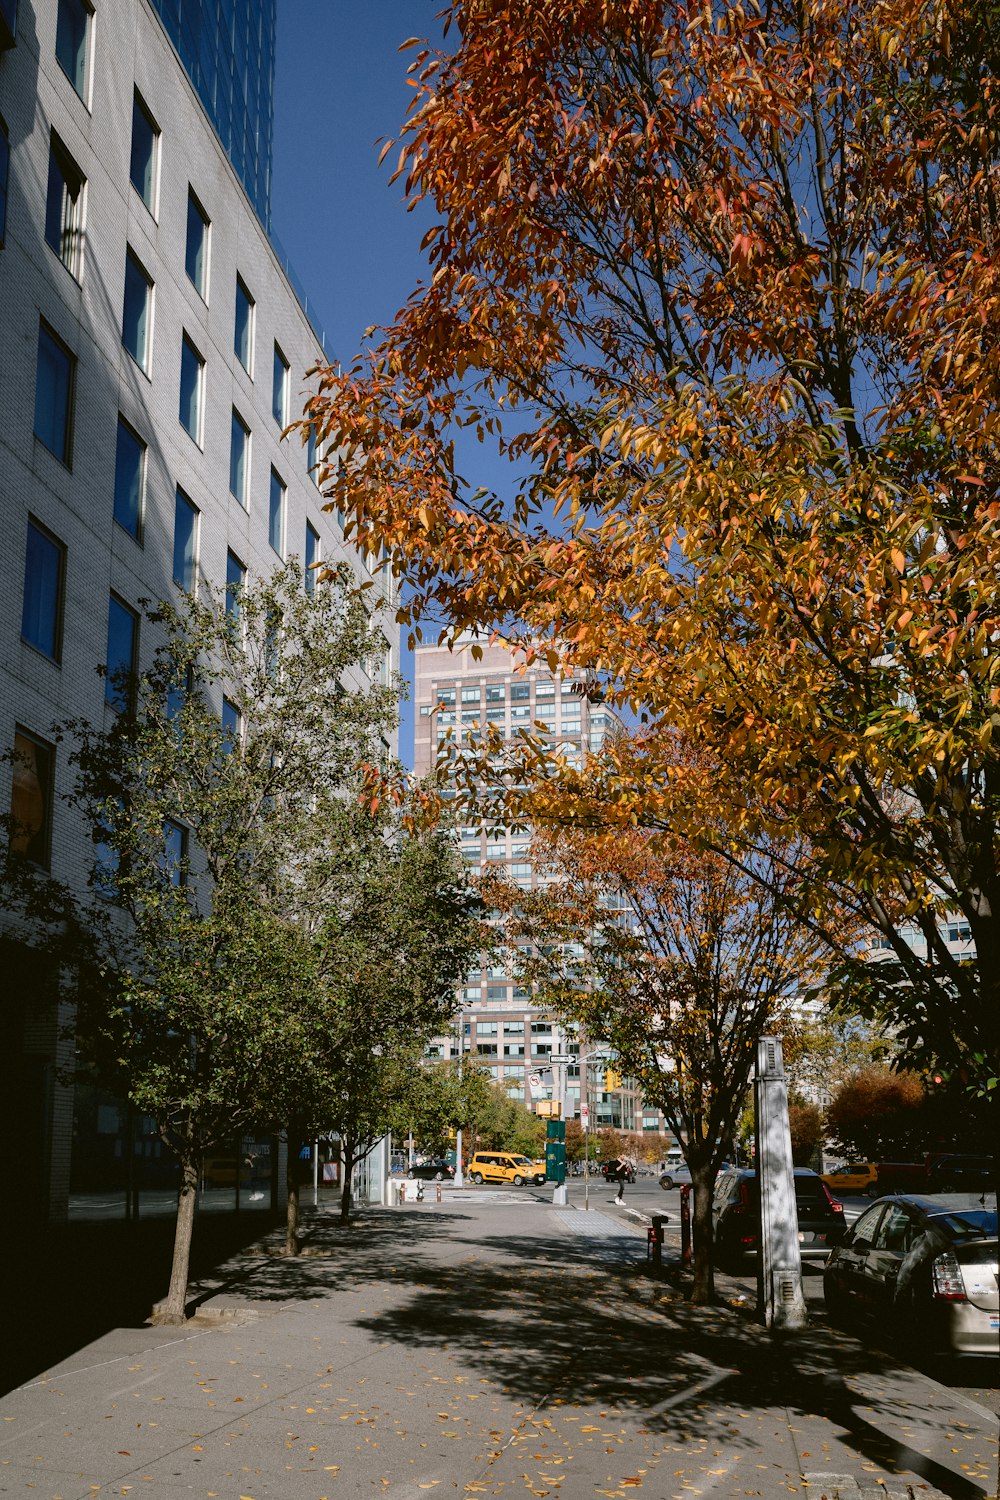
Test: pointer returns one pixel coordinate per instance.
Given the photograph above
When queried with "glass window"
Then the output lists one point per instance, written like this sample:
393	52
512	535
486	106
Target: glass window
123	643
4	172
130	472
72	27
470	695
312	557
236	577
137	312
185	541
239	458
243	328
175	845
192	383
520	692
44	575
232	725
196	252
54	395
311	454
276	515
31	798
279	389
64	206
495	693
142	166
8	23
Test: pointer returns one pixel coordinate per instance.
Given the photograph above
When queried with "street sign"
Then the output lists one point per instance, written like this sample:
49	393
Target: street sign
584	1114
560	1059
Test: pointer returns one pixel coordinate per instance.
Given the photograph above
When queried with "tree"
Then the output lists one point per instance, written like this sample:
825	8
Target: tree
202	796
821	1052
876	1115
396	926
679	963
805	1122
443	1100
721	281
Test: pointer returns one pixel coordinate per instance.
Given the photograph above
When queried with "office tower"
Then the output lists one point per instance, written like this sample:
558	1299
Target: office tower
152	349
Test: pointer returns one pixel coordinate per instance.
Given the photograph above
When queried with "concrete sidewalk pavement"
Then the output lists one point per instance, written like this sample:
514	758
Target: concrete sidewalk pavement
480	1348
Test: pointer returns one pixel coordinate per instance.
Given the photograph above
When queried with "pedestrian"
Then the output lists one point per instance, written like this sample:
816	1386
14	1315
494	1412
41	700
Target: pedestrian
622	1175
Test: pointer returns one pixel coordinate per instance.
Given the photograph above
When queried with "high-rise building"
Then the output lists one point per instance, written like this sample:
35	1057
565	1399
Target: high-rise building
152	350
455	695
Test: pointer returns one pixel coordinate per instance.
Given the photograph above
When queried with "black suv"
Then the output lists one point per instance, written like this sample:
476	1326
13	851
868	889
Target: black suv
736	1215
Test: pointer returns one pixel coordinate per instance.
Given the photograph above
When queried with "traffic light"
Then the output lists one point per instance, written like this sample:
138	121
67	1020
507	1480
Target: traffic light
612	1081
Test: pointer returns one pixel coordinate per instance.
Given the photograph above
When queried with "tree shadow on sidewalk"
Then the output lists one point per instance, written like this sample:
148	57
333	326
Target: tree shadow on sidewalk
610	1337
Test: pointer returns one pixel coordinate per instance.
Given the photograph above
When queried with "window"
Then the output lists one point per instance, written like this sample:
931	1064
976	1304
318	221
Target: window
232	725
8	23
196	251
123	645
192	384
495	693
544	690
236	577
142	165
185	541
175	848
31	798
4	172
470	695
279	389
137	312
312	557
276	515
243	327
239	458
311	455
72	29
130	473
54	395
44	580
486	1028
64	206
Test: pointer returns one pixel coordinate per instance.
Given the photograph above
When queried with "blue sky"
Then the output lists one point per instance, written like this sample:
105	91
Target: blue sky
341	85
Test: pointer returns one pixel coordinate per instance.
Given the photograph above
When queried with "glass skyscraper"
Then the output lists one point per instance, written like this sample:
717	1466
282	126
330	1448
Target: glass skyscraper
227	48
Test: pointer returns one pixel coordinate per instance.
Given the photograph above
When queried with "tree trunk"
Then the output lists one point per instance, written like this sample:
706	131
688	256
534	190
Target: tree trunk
293	1242
703	1239
172	1309
347	1167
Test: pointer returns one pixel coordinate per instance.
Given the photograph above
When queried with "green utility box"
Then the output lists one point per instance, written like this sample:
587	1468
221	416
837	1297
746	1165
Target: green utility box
555	1151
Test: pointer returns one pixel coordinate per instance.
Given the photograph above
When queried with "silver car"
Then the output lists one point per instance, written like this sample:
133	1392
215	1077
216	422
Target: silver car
924	1268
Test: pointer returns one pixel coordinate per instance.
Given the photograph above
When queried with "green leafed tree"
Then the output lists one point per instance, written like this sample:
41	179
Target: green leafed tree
203	794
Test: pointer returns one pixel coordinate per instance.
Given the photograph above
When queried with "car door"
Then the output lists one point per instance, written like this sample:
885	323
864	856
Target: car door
893	1238
850	1260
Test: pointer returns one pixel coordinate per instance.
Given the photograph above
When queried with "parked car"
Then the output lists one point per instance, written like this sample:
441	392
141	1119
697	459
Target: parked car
856	1177
677	1175
922	1267
736	1215
431	1171
616	1168
504	1166
960	1174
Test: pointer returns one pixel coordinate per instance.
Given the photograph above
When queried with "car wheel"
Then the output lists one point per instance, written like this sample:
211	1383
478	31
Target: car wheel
872	1190
666	1183
518	1181
411	1174
438	1176
477	1178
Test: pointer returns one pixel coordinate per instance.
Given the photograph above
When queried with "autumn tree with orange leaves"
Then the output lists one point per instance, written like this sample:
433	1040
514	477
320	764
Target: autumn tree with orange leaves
679	962
722	279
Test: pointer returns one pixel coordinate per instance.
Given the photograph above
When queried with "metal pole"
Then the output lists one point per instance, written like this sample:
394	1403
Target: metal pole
315	1165
459	1178
585	1076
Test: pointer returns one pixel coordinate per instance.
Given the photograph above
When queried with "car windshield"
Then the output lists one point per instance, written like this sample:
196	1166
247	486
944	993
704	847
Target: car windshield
809	1188
978	1222
523	1161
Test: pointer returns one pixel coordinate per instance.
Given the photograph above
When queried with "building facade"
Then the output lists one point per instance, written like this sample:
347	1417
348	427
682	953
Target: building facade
152	350
456	695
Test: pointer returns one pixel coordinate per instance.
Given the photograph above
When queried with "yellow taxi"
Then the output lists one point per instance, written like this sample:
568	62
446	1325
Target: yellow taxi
856	1177
504	1166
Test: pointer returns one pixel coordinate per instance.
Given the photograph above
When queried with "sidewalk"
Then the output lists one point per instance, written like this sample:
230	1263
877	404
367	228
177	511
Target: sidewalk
480	1348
